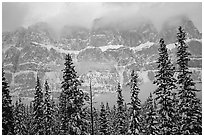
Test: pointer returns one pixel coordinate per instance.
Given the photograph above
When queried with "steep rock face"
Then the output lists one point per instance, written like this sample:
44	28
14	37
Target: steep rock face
74	38
92	55
11	59
102	81
107	55
100	38
168	32
195	48
144	33
122	55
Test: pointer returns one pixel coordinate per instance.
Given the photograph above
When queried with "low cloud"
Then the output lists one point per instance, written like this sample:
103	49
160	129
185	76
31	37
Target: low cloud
13	15
123	15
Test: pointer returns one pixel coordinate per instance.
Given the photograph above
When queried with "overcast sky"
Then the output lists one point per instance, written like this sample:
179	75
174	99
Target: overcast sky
83	14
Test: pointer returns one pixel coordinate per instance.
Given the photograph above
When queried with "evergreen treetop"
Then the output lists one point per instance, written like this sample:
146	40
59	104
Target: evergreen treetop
121	127
19	118
135	106
189	105
38	110
49	118
103	121
71	101
151	117
164	93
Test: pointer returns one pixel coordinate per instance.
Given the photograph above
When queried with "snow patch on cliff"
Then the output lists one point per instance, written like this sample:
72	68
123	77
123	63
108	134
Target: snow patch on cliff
141	46
104	48
57	48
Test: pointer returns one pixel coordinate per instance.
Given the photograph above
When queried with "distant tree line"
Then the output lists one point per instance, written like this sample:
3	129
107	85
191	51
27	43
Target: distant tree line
172	109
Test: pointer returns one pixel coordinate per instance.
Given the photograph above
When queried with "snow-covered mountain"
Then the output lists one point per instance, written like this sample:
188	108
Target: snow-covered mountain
106	54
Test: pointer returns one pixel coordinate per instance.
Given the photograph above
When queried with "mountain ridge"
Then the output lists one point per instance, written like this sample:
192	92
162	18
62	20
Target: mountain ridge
109	55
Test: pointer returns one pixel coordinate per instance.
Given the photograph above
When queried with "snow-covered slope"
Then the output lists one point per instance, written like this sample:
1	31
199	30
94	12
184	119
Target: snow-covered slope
104	48
142	46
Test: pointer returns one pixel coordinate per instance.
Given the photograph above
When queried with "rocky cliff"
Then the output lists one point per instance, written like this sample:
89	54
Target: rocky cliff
107	55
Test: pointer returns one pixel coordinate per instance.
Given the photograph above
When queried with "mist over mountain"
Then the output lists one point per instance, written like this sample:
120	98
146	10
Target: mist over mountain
102	68
87	15
106	52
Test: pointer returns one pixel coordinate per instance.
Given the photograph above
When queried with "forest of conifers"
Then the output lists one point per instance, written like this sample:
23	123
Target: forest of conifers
174	109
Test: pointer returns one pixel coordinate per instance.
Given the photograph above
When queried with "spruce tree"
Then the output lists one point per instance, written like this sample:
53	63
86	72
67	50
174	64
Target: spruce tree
144	123
96	117
151	117
7	108
126	114
189	105
20	127
103	128
121	119
135	106
108	114
71	101
165	82
113	120
29	118
57	118
38	127
107	108
176	114
49	118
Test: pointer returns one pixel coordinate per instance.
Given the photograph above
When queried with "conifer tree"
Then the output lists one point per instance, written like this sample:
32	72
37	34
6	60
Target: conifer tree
164	93
135	106
144	123
151	117
103	129
38	128
71	101
121	119
29	118
189	105
113	120
20	127
126	115
7	108
57	117
176	119
31	107
49	118
107	108
109	120
96	121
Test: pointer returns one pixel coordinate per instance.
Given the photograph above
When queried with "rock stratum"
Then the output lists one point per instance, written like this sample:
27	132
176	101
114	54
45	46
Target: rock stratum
107	55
